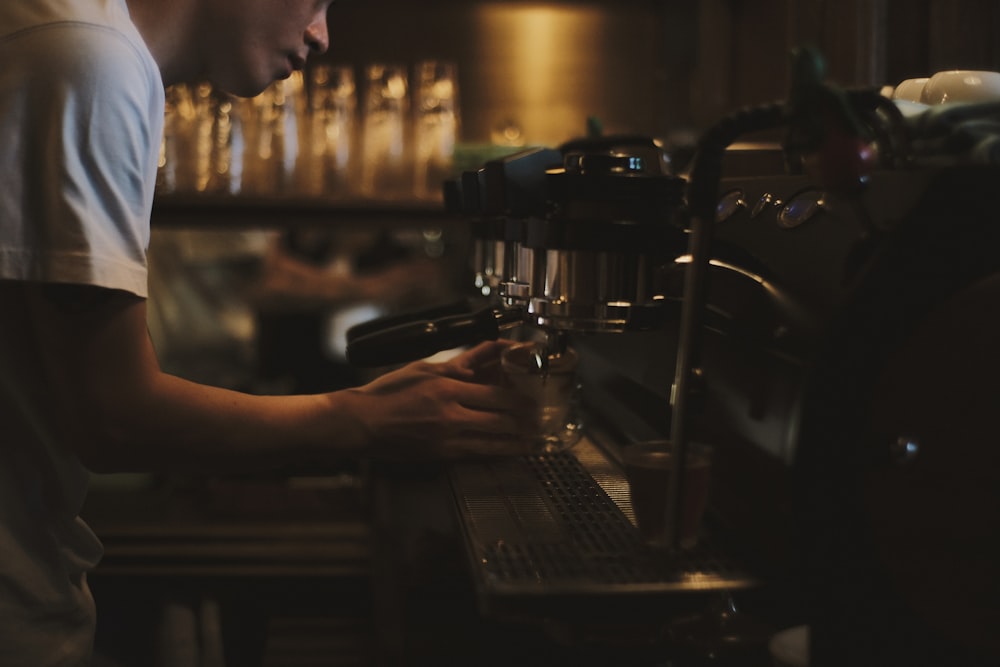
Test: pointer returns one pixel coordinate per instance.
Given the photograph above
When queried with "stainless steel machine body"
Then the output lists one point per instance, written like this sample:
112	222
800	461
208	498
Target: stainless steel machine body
610	233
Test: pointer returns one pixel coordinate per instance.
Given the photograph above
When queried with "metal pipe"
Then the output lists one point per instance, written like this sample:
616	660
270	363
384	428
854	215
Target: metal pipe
702	197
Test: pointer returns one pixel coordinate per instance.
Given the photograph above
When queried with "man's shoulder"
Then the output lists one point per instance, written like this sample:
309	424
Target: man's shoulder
91	58
18	16
71	29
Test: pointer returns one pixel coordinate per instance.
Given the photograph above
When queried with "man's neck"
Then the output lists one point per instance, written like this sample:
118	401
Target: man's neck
168	28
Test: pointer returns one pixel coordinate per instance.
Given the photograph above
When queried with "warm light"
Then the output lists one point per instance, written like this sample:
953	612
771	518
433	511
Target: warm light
686	259
702	580
544	44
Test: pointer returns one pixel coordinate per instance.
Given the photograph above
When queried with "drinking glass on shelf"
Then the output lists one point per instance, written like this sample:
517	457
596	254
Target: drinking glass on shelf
384	140
168	167
273	136
179	152
227	150
202	145
204	123
326	166
436	123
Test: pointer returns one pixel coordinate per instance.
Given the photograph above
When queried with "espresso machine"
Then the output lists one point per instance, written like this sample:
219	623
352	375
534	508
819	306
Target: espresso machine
574	239
571	246
824	319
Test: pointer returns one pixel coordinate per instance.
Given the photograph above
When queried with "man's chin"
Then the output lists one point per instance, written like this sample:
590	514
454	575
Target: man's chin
244	91
244	88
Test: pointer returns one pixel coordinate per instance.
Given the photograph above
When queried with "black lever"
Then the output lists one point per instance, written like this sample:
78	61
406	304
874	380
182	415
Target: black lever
460	307
421	337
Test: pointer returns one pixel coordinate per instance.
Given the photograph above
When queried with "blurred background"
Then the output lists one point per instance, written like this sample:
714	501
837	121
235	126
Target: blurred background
282	220
655	67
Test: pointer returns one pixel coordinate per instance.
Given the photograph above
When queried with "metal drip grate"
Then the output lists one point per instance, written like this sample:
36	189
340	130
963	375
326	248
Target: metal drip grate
542	524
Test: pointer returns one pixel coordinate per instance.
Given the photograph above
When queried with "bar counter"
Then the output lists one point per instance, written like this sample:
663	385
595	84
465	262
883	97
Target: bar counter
271	569
515	561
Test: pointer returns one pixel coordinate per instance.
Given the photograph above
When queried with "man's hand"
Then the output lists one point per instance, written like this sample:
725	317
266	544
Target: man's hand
445	410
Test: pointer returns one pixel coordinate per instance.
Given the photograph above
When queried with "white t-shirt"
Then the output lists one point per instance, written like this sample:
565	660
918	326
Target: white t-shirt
81	115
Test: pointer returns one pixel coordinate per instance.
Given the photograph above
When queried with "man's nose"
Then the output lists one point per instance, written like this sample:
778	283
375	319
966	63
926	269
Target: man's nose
317	35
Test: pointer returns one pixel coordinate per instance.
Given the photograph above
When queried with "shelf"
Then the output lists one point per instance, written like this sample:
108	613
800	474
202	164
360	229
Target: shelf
282	211
232	527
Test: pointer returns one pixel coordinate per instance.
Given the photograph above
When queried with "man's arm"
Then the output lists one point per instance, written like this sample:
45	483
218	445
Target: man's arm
119	411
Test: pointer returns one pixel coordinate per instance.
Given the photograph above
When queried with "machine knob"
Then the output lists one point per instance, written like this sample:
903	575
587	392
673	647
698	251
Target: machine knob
903	450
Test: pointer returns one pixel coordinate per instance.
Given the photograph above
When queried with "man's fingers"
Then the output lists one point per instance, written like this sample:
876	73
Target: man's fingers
482	353
493	398
519	422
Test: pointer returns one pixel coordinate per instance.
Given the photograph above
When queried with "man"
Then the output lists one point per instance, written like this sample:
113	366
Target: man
81	103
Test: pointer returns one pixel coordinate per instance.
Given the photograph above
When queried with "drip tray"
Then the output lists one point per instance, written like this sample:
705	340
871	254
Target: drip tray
555	533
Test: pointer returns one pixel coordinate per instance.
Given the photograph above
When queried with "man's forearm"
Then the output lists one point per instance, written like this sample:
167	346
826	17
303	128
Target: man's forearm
177	425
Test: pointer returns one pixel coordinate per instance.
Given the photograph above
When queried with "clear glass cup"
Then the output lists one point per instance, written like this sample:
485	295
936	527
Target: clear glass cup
648	466
203	99
227	146
436	123
273	135
182	156
384	139
171	145
202	145
549	380
331	126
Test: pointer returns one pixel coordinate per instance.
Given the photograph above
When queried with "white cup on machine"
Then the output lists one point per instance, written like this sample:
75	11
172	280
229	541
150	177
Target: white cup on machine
950	86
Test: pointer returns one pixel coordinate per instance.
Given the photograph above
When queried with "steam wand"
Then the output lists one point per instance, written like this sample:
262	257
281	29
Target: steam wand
833	145
702	197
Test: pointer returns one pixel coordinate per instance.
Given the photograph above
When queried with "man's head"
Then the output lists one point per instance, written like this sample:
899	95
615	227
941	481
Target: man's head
241	46
251	43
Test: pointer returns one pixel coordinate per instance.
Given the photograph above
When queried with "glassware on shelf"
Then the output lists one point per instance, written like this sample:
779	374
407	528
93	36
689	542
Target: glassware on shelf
203	144
203	124
384	132
274	134
168	169
227	146
179	163
328	135
326	165
436	124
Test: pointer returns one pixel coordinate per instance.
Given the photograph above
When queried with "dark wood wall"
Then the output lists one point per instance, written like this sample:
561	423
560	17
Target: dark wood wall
662	66
744	45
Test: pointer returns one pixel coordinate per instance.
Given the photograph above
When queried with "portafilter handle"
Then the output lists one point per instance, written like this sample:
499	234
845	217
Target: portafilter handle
459	307
420	337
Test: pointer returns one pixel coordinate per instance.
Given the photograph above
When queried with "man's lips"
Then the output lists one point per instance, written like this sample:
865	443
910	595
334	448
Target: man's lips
293	63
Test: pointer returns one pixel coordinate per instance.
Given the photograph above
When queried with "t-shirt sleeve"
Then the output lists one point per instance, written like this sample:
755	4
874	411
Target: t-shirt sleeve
81	108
